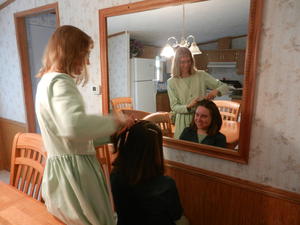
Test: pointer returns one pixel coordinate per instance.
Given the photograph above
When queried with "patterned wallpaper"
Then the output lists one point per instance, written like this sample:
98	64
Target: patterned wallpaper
118	61
275	142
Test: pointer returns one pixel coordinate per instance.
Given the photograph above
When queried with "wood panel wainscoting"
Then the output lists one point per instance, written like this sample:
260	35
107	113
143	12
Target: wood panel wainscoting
8	129
1	151
210	198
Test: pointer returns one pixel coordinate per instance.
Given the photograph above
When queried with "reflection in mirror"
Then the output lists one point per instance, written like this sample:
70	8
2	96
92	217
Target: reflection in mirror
134	39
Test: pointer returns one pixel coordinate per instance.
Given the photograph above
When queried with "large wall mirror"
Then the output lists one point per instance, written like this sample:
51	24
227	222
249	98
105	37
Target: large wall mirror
132	37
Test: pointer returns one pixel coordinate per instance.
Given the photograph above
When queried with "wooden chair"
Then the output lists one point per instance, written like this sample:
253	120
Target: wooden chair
28	163
229	110
104	156
162	119
121	103
136	114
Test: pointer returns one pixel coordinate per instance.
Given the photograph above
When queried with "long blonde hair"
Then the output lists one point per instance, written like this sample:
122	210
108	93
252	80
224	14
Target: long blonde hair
180	52
66	46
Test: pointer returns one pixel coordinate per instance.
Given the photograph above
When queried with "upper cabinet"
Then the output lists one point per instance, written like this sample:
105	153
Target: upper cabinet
224	53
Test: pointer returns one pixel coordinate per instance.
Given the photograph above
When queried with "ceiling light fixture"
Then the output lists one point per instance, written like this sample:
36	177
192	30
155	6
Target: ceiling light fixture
189	42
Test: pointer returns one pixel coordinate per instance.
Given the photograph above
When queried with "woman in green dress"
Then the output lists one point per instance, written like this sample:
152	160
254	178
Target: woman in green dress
187	87
73	185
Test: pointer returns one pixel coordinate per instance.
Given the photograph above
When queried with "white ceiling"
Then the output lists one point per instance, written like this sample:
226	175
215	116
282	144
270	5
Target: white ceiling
208	20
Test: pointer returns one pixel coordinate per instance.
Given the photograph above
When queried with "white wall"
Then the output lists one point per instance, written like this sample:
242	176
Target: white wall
275	142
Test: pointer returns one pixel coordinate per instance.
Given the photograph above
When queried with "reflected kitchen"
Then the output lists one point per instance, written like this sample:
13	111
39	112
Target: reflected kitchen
149	72
138	71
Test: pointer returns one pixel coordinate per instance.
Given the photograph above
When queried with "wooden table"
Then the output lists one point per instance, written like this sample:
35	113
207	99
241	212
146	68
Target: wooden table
231	129
16	208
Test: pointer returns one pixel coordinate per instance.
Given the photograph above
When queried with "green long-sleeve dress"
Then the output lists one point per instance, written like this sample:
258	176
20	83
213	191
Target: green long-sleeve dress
182	91
73	185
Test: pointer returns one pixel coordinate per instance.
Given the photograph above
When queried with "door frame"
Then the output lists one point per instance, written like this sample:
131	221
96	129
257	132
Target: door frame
22	44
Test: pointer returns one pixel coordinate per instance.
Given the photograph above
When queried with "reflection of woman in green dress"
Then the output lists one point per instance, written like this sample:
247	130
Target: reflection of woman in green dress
73	184
187	87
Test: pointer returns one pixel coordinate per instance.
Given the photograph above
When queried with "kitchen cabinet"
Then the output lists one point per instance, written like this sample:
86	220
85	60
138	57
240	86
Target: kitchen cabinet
201	61
150	52
228	55
225	55
222	55
162	102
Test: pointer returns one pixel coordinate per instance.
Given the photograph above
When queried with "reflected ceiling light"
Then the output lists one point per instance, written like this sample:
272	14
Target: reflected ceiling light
189	42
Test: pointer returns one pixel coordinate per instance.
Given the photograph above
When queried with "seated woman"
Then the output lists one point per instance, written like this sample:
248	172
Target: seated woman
141	192
205	126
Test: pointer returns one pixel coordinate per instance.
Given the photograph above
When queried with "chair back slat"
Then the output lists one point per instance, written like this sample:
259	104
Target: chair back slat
24	169
28	179
34	180
163	120
229	110
27	163
135	114
121	103
37	193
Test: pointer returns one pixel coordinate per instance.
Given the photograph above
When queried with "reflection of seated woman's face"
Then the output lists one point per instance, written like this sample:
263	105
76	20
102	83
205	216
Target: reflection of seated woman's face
202	118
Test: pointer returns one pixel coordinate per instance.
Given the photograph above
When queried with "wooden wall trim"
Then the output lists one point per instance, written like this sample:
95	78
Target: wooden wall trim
6	3
8	129
1	151
116	34
210	198
12	122
237	182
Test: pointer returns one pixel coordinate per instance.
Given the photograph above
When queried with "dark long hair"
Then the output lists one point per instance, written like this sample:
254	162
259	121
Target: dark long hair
216	119
140	153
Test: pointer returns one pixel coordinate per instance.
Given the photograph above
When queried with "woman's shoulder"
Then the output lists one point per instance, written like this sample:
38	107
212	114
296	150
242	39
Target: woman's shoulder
165	182
200	73
171	80
188	130
52	77
220	135
220	139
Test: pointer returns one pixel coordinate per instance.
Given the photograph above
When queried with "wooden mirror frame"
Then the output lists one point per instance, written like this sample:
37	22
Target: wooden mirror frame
254	25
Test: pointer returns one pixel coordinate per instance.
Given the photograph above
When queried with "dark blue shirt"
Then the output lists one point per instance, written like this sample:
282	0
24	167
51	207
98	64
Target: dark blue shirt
155	202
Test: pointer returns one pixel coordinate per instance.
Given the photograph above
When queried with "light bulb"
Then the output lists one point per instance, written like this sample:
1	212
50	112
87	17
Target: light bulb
195	49
167	51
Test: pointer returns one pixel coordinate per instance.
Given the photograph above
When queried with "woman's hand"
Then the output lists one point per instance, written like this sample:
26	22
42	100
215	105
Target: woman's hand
124	121
194	102
211	95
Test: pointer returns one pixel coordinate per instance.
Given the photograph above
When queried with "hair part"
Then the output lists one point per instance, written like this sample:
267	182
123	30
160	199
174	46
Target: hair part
67	47
216	118
140	153
180	52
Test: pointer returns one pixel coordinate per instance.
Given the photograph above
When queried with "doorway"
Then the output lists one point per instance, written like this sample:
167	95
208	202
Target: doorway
38	24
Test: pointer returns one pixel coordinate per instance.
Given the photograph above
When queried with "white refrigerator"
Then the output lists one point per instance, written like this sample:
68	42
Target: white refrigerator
143	84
